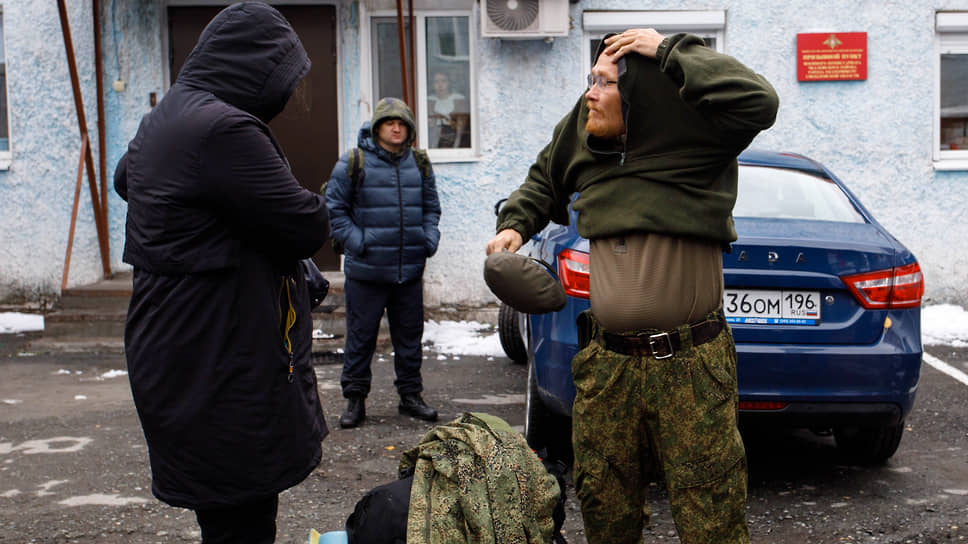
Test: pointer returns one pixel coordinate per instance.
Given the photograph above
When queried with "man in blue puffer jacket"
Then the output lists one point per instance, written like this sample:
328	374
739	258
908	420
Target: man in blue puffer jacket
387	223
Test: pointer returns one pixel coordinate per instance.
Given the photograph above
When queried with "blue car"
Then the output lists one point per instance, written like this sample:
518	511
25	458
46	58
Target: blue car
823	302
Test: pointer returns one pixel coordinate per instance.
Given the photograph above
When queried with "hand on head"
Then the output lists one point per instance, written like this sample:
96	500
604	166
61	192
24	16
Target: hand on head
506	240
644	41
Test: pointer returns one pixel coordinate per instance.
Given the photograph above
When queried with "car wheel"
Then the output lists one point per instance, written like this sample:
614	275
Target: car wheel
510	326
547	433
869	445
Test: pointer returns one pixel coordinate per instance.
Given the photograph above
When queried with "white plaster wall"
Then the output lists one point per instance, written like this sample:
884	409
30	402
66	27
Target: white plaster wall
36	193
524	88
875	134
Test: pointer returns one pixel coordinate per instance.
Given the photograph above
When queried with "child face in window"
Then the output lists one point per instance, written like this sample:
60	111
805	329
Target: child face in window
441	85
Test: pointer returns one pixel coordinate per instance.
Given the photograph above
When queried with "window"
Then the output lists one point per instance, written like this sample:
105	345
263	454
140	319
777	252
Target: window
4	119
951	119
708	25
781	193
448	83
445	94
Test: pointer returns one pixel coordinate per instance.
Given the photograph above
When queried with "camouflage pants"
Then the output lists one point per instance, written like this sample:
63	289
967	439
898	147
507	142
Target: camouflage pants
635	417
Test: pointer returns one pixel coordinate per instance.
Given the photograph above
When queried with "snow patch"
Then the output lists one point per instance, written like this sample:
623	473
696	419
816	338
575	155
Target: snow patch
945	324
12	322
493	400
100	499
462	338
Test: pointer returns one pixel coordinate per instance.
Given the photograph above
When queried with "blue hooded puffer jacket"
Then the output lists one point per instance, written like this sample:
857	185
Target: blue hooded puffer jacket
388	226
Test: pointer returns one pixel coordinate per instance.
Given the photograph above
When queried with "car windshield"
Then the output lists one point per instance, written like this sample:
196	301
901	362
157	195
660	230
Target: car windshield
782	193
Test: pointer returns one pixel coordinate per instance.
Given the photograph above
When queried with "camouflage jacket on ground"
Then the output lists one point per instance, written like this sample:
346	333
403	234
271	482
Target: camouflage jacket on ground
477	481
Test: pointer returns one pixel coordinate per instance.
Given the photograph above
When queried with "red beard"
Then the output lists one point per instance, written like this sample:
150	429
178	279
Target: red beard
602	125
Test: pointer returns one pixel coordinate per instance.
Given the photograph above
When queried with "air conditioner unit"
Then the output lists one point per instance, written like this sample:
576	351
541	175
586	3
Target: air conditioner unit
524	19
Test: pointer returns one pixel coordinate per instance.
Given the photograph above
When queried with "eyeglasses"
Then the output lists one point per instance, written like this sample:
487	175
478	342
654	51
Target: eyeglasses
601	82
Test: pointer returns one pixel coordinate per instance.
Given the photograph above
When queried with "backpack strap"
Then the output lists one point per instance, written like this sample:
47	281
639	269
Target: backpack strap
354	167
423	162
356	173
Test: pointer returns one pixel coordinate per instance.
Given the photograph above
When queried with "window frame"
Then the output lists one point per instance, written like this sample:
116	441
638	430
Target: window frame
6	156
596	24
951	36
437	155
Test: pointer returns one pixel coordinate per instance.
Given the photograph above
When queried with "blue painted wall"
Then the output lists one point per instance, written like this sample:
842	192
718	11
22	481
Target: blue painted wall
876	134
131	41
37	191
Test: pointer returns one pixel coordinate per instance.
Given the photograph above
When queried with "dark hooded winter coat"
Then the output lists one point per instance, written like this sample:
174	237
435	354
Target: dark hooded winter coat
388	224
216	226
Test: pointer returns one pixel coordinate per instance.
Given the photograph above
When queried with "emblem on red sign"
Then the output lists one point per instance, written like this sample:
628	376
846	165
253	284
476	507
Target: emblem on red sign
832	56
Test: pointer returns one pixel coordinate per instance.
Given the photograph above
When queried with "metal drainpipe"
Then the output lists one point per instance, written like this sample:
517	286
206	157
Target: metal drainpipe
101	136
403	54
85	156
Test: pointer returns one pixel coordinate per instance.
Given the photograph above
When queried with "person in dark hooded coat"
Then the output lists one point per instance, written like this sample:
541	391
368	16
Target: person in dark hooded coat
218	333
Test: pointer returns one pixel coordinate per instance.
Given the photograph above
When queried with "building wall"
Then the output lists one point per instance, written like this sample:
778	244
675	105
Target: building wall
36	193
513	127
875	134
133	53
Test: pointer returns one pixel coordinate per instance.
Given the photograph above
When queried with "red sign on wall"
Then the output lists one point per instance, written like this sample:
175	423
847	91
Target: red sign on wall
832	56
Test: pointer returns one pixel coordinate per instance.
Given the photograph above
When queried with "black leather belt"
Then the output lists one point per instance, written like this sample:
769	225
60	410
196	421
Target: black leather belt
663	344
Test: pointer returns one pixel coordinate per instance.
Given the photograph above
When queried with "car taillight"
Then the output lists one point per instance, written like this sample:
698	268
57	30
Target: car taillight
899	287
573	272
762	405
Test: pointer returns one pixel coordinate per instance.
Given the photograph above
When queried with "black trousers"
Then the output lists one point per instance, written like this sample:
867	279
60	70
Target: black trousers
365	303
251	523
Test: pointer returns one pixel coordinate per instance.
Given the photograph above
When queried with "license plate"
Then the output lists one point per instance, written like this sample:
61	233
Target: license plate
772	307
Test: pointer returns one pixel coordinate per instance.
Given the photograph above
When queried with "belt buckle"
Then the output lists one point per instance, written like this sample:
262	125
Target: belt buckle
654	340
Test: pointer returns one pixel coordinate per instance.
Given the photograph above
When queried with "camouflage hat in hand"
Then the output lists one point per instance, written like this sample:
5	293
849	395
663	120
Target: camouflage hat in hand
523	283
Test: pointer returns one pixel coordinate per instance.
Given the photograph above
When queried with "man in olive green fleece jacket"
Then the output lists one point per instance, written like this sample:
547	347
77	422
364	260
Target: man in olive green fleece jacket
651	149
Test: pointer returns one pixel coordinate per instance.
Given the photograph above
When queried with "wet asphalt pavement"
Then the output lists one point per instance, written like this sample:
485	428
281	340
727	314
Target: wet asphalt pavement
74	468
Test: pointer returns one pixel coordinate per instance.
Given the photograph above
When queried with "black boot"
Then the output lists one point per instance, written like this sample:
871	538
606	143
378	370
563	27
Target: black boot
412	405
355	412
